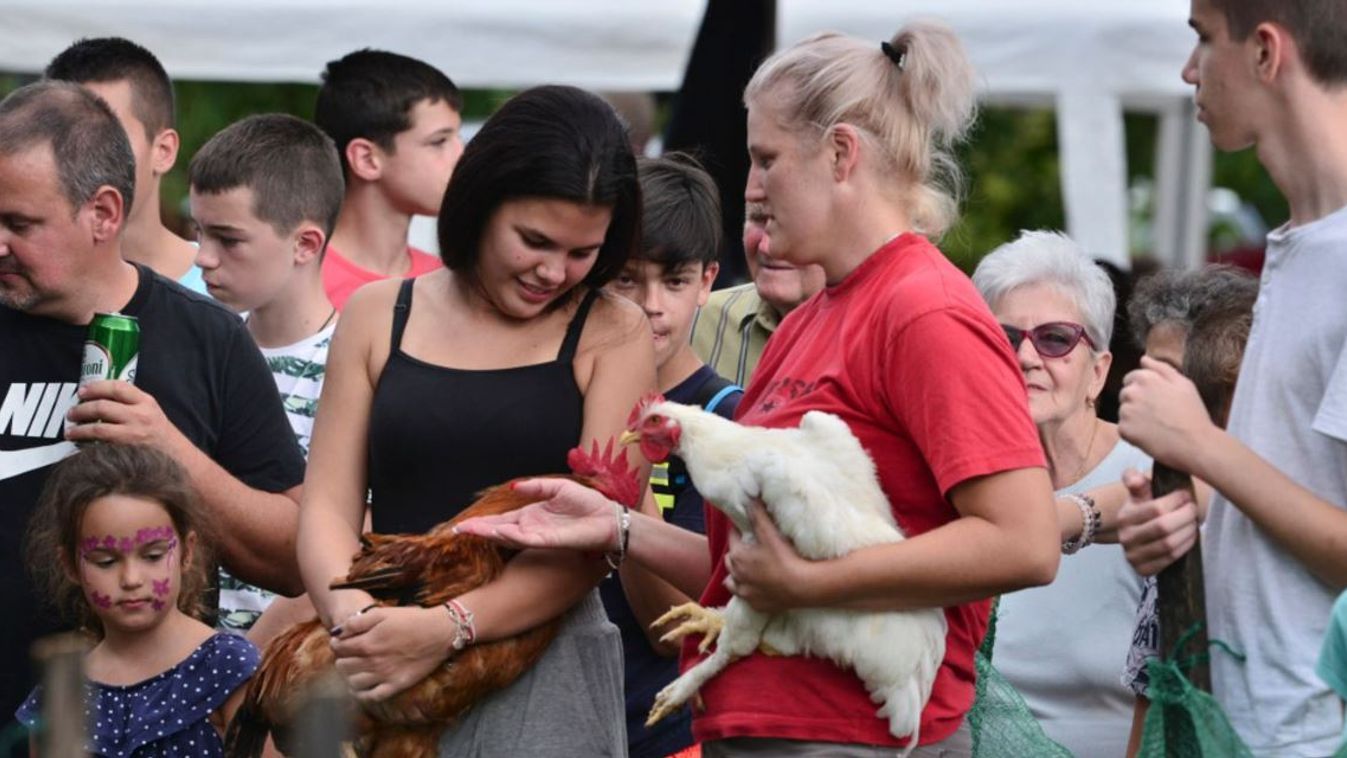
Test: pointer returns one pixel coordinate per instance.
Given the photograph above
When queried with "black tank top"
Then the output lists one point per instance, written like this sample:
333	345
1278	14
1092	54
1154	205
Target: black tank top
439	435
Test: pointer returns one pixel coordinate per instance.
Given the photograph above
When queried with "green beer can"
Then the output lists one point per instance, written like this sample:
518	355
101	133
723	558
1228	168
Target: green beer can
112	349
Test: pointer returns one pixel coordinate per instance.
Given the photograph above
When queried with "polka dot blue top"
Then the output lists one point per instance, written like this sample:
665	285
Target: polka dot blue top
167	714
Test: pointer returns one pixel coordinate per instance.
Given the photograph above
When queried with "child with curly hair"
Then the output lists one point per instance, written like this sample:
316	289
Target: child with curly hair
126	531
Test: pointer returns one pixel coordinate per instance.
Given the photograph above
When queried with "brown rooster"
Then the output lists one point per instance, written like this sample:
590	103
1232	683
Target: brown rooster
427	570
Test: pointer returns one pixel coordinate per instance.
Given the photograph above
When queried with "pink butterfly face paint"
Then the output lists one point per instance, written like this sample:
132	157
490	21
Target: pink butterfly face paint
162	588
128	563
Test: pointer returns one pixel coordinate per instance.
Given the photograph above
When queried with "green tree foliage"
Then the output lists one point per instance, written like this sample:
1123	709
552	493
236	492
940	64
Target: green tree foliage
1010	160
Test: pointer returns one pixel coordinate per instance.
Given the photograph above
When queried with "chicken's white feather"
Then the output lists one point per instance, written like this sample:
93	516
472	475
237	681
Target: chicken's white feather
820	487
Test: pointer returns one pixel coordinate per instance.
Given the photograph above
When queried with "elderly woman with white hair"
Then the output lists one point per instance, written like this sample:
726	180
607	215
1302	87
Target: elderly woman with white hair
1061	645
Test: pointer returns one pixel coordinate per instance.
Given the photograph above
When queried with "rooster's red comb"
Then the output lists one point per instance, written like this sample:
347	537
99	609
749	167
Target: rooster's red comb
613	476
645	402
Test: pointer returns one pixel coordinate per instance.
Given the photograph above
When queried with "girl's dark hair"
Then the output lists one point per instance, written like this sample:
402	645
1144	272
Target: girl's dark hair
97	471
550	142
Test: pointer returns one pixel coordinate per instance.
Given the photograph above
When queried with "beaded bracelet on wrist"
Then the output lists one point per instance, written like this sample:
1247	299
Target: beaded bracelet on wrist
465	626
1091	523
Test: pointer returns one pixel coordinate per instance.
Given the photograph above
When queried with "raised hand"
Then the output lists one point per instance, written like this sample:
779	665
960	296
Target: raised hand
120	412
1155	532
567	515
1162	413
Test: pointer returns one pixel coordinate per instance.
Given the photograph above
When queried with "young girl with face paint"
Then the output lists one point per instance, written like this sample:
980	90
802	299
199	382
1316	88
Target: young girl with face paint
124	528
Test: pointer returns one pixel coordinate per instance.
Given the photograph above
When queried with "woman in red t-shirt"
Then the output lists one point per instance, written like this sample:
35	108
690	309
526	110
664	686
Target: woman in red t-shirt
847	140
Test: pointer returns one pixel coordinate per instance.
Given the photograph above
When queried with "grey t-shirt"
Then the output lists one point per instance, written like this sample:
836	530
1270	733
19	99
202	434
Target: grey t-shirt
1290	407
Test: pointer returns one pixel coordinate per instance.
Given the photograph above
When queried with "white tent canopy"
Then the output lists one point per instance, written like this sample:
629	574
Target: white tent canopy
1088	60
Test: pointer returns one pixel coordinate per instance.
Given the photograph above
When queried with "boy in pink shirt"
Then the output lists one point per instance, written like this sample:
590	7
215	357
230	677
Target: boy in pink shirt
395	121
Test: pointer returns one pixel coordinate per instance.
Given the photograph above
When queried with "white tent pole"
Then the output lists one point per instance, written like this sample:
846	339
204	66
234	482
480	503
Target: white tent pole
1094	172
1183	178
1171	176
1196	160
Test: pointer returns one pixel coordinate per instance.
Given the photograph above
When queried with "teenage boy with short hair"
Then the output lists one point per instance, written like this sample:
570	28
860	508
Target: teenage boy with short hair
265	193
133	83
670	277
1269	74
395	121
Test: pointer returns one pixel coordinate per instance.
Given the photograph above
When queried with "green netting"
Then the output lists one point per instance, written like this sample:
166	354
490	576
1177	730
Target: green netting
1000	720
1001	723
1183	720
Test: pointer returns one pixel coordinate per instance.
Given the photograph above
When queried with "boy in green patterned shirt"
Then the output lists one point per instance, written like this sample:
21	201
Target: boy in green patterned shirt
265	193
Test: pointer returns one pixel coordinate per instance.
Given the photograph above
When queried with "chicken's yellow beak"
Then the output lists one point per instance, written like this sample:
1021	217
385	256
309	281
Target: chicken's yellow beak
629	437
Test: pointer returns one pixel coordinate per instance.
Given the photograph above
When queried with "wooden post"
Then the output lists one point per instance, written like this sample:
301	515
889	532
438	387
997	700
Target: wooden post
63	730
1181	590
323	725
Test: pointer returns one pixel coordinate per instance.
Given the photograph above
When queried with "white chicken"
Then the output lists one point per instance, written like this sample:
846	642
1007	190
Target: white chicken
820	487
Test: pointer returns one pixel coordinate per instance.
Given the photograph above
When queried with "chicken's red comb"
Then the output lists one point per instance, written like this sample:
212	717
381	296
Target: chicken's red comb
613	476
645	402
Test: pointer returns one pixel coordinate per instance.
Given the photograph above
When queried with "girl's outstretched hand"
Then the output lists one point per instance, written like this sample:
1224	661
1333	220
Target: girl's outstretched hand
566	515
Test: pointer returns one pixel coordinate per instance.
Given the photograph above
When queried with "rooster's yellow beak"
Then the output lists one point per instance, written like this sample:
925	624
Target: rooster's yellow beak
629	437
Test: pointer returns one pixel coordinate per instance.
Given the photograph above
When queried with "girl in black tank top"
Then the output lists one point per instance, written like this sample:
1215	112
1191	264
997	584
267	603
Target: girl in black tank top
440	435
541	212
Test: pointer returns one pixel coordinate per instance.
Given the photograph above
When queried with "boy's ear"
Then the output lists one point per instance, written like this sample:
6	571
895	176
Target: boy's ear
709	272
309	242
1271	47
164	151
365	159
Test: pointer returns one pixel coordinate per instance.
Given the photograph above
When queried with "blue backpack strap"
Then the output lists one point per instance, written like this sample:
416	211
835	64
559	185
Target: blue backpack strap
719	396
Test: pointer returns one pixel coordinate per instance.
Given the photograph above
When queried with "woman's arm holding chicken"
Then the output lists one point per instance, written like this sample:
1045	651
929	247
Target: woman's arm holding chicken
1006	535
334	496
410	641
1008	514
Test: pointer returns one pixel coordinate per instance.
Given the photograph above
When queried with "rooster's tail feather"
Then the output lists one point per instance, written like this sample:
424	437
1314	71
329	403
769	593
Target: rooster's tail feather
247	733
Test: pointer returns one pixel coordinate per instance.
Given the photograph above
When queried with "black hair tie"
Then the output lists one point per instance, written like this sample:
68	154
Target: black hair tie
898	56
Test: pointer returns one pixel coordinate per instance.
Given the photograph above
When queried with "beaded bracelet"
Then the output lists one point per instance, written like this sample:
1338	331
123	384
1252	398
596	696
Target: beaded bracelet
616	557
465	626
1091	522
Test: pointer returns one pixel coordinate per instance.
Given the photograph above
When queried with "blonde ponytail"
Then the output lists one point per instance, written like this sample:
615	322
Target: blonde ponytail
913	101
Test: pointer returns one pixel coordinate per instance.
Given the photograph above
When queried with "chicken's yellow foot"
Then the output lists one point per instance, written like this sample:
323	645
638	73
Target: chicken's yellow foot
661	710
695	619
766	649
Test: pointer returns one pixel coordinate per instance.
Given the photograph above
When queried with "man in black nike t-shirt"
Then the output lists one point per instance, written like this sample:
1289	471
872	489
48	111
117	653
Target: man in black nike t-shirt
202	393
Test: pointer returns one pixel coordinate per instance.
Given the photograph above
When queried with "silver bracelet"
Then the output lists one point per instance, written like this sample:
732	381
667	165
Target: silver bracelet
1091	522
615	557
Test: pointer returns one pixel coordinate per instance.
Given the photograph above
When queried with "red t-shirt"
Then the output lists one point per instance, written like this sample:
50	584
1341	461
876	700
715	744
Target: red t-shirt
906	352
341	277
